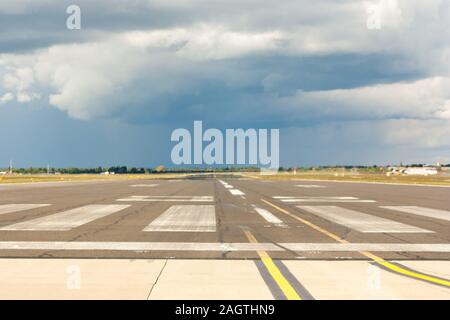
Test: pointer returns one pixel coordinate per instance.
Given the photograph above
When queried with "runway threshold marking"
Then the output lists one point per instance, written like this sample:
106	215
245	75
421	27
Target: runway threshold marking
310	186
319	199
10	208
185	218
67	220
421	211
378	260
167	199
361	222
289	292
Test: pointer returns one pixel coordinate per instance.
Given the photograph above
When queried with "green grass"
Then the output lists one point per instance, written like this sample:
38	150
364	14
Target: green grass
26	178
355	177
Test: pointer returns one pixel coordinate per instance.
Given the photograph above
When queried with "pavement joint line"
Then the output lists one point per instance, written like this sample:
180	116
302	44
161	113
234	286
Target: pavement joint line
274	271
395	268
157	278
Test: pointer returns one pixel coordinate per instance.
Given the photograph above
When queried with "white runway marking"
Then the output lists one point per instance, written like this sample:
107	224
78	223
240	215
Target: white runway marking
143	185
226	185
167	199
67	220
310	186
321	199
269	217
426	212
360	221
9	208
187	218
222	247
236	192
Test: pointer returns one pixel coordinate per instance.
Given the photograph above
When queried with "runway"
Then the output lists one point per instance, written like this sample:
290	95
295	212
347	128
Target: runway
280	227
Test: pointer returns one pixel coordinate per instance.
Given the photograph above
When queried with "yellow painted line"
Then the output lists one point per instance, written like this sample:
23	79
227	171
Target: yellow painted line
273	270
312	225
413	274
367	254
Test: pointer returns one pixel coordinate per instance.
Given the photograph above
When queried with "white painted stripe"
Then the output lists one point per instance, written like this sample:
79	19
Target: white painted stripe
269	217
310	186
327	200
228	186
173	197
185	218
191	199
9	208
322	197
374	247
143	185
426	212
360	221
67	220
236	192
222	247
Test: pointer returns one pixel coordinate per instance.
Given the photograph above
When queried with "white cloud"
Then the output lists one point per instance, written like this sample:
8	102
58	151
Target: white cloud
7	97
19	80
423	99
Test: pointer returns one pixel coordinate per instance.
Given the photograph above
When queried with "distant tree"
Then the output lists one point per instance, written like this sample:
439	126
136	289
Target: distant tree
160	168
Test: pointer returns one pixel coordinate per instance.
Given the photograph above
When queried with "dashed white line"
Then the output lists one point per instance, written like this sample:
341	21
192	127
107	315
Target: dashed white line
236	192
269	217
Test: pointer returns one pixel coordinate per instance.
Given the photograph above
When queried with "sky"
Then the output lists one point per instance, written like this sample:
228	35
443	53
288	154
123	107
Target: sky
345	82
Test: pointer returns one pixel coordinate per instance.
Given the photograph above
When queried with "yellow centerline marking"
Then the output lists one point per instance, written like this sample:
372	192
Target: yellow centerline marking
375	258
273	270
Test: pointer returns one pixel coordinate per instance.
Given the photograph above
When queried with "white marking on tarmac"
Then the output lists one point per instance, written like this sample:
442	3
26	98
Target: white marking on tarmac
269	217
323	197
236	192
373	247
9	208
187	218
143	185
360	221
426	212
67	220
310	186
221	247
167	199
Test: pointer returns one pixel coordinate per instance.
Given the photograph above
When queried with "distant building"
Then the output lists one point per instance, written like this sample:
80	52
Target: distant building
421	171
418	171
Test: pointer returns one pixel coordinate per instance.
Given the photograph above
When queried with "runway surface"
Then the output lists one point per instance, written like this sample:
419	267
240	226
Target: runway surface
280	227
